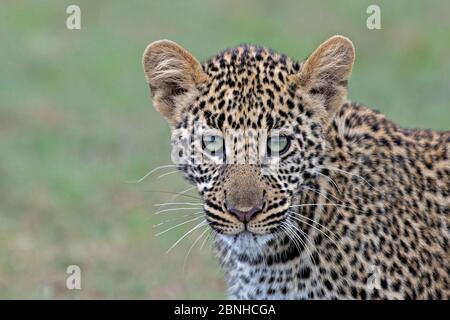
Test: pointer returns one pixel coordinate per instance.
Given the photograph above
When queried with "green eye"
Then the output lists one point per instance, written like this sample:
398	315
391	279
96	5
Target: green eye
277	144
213	144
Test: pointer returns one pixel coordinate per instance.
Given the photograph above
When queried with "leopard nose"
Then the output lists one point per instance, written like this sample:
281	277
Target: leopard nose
244	215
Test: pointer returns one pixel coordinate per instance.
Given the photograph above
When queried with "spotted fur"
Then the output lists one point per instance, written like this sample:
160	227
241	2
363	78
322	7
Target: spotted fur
357	208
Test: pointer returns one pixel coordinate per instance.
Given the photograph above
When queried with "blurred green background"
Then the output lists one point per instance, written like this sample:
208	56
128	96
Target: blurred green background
76	124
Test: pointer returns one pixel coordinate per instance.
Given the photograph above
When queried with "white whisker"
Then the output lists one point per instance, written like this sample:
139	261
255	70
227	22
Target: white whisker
320	193
312	260
178	203
150	172
349	173
192	246
332	181
167	173
313	221
323	204
175	209
182	193
176	218
312	226
178	225
177	194
206	239
186	234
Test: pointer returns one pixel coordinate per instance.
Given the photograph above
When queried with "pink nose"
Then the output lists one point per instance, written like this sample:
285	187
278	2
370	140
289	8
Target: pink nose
244	216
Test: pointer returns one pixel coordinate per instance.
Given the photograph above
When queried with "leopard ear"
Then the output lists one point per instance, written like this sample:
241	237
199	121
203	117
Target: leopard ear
326	71
173	75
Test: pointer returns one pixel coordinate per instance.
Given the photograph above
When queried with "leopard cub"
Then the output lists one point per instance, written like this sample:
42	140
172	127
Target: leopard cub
308	195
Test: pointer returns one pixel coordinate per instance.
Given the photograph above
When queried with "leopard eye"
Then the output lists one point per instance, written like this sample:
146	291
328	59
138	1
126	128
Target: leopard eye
213	144
278	144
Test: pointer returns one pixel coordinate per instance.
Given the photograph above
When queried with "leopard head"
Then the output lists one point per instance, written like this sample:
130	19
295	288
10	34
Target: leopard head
249	126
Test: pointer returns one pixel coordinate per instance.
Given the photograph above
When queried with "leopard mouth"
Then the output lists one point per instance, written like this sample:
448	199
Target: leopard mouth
272	224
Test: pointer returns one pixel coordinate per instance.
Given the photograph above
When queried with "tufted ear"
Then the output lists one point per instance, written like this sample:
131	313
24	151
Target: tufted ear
326	71
173	75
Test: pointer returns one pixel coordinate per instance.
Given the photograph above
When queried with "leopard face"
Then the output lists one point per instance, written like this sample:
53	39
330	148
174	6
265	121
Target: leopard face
248	128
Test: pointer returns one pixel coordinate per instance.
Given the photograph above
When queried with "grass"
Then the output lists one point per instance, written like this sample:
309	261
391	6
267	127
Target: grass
76	123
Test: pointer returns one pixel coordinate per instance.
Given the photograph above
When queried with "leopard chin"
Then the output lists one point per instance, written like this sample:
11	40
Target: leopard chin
246	242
